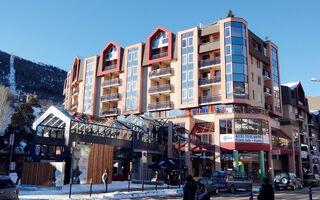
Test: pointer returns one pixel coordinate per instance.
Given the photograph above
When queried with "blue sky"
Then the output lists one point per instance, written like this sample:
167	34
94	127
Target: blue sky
53	32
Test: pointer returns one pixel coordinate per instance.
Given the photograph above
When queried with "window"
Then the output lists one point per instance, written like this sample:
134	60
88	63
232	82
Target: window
205	57
252	76
187	83
205	40
226	126
132	76
253	94
88	87
259	80
258	64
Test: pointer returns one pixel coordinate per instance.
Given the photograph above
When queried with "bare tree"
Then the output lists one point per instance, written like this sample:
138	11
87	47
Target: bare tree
6	100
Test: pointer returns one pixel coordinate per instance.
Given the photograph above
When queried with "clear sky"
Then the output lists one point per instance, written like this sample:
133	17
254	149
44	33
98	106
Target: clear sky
54	32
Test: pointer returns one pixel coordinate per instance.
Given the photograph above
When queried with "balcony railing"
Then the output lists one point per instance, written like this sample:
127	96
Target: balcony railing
74	105
111	111
108	67
75	91
110	97
115	81
160	88
267	91
209	99
159	55
160	105
160	72
266	74
208	81
206	63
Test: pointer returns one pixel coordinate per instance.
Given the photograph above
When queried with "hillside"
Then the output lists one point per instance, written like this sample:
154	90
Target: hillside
30	77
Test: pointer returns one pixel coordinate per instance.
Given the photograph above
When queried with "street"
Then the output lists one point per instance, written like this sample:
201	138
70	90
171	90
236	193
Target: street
286	194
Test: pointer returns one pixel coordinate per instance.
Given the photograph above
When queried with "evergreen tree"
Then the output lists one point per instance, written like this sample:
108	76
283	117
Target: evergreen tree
21	125
230	14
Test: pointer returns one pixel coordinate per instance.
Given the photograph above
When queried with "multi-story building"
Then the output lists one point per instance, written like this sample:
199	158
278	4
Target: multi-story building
220	81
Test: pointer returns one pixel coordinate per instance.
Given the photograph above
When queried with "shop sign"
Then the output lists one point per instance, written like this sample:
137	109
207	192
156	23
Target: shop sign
248	157
247	138
227	138
304	154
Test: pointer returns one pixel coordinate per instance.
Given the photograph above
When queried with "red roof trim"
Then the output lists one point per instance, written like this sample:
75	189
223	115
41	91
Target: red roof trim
148	45
100	72
77	63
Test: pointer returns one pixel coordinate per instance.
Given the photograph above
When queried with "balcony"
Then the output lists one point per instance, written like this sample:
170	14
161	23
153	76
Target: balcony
108	67
209	99
268	107
208	63
209	46
109	112
299	117
209	81
160	89
267	91
159	55
110	97
160	73
75	91
159	106
74	105
266	74
111	82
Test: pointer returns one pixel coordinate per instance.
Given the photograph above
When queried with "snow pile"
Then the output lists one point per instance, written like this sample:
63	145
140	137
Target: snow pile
12	76
139	194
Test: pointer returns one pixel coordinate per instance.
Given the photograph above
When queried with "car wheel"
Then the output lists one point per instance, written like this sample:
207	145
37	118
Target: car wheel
249	189
232	189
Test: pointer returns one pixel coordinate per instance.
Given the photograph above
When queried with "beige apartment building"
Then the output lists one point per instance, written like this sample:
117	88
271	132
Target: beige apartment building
220	81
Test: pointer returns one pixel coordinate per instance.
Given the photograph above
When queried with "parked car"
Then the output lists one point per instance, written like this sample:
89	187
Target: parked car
311	179
209	184
8	189
287	180
231	180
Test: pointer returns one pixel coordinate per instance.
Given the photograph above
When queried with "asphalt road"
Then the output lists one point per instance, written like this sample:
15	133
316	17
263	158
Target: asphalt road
286	194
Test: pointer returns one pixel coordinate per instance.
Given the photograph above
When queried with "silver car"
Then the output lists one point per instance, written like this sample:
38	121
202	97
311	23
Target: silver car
8	189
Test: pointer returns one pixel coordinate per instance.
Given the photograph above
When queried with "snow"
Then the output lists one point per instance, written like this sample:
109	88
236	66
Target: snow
82	191
140	194
292	85
12	74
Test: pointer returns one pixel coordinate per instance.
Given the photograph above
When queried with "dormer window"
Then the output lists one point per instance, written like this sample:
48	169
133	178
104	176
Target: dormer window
161	40
110	59
112	53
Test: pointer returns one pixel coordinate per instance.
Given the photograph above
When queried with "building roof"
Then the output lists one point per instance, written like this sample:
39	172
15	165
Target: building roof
292	85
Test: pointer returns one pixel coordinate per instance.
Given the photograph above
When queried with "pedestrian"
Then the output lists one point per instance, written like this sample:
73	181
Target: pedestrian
105	177
202	192
189	189
266	191
19	174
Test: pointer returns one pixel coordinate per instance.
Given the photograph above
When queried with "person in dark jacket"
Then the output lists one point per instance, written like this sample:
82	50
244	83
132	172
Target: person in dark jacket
266	191
189	189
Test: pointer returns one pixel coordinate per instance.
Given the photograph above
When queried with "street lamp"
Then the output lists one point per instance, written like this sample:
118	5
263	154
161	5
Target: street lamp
315	80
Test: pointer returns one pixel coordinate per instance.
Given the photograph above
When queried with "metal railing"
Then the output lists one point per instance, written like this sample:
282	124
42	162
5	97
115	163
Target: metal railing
159	55
160	105
160	72
160	88
209	99
115	81
110	97
111	111
74	91
206	63
105	68
207	81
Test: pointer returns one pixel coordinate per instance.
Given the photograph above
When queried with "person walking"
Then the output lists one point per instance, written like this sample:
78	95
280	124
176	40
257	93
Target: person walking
266	191
189	189
105	177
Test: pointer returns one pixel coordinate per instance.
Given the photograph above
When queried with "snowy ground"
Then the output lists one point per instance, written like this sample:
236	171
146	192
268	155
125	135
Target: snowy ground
116	190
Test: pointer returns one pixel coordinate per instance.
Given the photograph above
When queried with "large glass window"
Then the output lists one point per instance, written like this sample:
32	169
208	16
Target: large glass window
236	60
88	85
251	126
132	76
187	81
276	81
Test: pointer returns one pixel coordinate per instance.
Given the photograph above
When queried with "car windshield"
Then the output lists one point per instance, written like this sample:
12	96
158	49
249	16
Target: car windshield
279	176
6	183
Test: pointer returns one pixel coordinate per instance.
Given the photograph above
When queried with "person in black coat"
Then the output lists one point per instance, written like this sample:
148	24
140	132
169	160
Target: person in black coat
266	191
189	189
